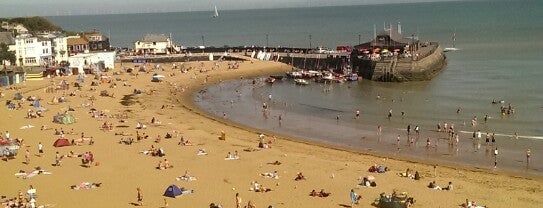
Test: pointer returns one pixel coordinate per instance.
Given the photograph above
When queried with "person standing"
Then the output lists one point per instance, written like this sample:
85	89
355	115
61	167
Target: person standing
40	148
354	198
57	159
27	157
495	157
139	196
357	116
528	155
238	201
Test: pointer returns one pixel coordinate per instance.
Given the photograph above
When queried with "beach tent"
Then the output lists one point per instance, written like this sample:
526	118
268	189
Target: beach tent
61	142
172	191
8	149
18	96
64	119
157	78
36	103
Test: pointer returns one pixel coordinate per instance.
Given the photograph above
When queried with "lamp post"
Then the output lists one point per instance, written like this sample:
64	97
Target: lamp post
359	39
310	41
203	44
266	40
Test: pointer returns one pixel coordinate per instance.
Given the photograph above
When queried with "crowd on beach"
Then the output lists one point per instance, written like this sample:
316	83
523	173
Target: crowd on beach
110	124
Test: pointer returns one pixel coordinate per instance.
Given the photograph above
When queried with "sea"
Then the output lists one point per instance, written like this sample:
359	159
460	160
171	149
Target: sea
500	58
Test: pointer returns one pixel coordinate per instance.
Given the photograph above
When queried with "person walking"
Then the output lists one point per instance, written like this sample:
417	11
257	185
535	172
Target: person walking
354	198
495	157
139	196
528	155
238	201
40	148
27	157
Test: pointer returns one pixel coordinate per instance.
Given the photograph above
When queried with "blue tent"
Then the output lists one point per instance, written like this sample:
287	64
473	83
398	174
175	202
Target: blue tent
172	191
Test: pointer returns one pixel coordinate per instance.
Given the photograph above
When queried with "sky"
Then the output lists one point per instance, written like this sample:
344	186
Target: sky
19	8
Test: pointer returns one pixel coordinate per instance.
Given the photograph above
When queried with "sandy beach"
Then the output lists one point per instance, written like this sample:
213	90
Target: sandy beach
120	168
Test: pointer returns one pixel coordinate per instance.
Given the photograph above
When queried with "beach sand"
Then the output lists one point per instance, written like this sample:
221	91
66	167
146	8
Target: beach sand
121	169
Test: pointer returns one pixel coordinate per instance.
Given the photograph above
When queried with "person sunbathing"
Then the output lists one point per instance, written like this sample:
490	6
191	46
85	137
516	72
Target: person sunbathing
299	176
273	175
122	133
434	186
186	177
275	163
322	193
201	152
231	156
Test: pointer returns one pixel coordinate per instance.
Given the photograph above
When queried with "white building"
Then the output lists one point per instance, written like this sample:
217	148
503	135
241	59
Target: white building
32	51
20	28
95	61
60	49
154	44
59	46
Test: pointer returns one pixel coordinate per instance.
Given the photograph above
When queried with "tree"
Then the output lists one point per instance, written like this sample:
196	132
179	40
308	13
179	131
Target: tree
6	55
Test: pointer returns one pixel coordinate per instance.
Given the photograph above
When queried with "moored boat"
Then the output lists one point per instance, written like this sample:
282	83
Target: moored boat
270	80
279	77
301	82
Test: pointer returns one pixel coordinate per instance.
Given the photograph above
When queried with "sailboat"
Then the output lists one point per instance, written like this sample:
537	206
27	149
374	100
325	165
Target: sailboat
216	14
453	44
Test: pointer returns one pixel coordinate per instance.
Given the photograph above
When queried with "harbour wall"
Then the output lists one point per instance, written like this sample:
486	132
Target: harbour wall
396	69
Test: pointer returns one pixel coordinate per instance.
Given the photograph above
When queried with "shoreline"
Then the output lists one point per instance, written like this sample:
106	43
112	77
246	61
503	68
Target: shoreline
193	107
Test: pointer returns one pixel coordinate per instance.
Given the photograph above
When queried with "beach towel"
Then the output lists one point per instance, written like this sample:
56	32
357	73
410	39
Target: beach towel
26	175
183	178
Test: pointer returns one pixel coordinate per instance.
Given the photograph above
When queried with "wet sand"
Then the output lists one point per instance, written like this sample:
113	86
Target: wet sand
121	168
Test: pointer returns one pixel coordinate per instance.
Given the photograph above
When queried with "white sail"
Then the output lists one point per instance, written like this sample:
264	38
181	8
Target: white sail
216	14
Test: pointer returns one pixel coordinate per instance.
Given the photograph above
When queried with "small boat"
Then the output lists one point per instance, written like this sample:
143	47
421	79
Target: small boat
453	48
279	77
216	14
270	80
294	74
352	77
327	76
301	81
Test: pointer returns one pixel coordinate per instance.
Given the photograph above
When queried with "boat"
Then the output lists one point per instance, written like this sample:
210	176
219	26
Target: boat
301	81
327	76
216	14
270	80
294	74
279	77
453	48
352	77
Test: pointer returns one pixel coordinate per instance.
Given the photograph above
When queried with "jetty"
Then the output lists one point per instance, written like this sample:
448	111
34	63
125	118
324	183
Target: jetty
391	57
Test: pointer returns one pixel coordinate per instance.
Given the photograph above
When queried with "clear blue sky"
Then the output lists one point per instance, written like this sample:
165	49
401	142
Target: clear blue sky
17	8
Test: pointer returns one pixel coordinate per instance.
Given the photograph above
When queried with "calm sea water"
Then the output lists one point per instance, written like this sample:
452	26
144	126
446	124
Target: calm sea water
500	58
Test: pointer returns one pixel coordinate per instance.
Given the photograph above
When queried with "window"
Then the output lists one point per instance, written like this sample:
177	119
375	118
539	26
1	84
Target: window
30	60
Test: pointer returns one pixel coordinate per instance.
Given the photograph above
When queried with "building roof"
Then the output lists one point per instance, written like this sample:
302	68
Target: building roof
7	38
77	41
388	38
155	38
